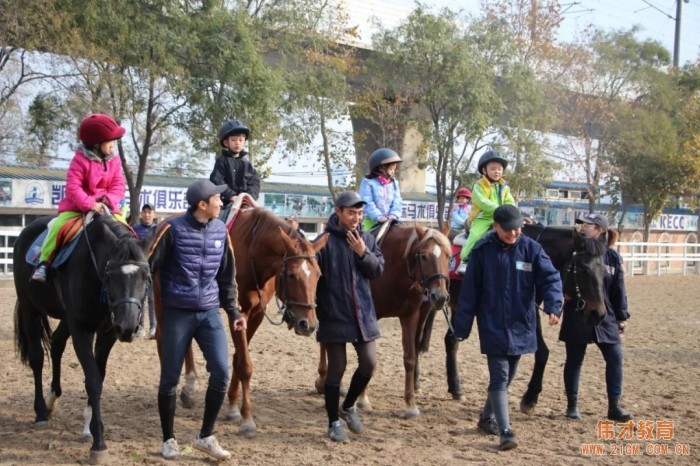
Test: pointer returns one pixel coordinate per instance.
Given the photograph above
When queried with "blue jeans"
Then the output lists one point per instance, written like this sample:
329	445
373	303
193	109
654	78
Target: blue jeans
178	329
501	371
612	353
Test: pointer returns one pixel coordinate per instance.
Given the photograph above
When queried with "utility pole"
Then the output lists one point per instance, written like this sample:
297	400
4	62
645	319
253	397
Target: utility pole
677	38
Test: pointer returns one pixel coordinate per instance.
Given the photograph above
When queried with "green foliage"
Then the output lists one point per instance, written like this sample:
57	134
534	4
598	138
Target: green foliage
47	122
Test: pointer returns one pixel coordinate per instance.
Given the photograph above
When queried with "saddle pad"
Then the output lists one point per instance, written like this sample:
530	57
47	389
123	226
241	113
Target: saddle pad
229	214
34	251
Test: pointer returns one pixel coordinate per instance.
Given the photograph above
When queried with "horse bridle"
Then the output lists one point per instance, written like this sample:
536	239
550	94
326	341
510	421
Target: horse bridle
580	301
129	300
425	281
282	292
105	278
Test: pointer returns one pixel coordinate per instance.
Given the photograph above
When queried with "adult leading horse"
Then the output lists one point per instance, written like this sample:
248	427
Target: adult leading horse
270	257
98	291
580	263
414	284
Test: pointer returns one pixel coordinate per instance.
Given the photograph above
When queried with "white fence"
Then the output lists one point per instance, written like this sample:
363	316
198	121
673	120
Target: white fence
640	258
660	258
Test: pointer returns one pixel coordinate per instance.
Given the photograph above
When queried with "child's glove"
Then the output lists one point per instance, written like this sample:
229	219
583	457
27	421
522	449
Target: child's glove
462	268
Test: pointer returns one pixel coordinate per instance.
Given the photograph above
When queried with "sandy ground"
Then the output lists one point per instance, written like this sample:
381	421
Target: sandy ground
662	350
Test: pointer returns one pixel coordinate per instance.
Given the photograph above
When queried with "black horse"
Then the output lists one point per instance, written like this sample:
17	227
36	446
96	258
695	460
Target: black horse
99	290
580	263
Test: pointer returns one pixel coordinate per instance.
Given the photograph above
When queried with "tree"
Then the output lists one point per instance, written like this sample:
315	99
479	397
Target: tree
47	122
608	69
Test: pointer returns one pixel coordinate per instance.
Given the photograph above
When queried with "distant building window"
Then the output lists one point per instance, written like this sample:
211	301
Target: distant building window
552	193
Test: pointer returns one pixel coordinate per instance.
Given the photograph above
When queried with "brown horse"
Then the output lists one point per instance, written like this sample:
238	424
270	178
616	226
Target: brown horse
270	257
414	284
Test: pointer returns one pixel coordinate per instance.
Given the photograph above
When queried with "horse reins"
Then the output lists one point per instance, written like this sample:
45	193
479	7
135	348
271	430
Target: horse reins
580	301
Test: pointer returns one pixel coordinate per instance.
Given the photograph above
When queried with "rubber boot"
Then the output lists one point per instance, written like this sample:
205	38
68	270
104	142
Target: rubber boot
615	411
572	407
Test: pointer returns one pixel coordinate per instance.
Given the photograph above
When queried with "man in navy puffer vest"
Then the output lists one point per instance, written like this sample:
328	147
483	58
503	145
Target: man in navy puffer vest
194	257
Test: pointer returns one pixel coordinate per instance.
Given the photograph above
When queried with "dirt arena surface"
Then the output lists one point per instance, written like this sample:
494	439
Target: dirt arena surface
662	356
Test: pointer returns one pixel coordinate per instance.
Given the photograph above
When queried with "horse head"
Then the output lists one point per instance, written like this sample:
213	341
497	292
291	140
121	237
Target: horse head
297	280
427	257
126	277
584	276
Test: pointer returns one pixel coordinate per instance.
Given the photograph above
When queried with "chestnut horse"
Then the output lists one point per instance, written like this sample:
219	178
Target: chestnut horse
270	257
414	284
582	270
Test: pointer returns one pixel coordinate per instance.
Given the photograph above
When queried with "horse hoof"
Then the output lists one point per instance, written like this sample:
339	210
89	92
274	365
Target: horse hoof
527	408
364	405
187	400
318	384
85	438
248	429
412	413
233	416
99	457
458	397
41	425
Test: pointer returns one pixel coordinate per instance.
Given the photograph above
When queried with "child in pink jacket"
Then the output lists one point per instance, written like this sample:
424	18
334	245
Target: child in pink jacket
94	181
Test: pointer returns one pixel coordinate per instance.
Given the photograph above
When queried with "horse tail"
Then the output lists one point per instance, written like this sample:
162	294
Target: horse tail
424	342
22	341
613	236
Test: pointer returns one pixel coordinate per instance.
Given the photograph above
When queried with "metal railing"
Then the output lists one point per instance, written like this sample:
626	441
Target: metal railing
640	258
660	258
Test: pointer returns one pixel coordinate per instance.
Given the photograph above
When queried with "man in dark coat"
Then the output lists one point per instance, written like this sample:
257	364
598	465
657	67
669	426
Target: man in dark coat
577	334
146	225
345	311
505	270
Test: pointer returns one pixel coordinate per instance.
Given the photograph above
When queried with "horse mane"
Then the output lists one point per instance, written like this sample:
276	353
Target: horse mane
267	221
613	236
430	234
129	247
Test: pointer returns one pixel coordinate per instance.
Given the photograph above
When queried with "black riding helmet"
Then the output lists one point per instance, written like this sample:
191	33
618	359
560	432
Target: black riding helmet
491	156
231	127
382	157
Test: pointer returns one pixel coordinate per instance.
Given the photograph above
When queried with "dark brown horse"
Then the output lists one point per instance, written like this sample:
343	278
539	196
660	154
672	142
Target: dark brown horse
582	270
413	285
270	258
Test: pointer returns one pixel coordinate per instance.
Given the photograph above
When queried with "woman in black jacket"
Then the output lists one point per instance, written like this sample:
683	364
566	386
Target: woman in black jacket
577	334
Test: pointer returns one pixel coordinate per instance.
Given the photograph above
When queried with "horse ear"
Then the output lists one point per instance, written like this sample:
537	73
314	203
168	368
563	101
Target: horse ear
421	230
288	242
320	243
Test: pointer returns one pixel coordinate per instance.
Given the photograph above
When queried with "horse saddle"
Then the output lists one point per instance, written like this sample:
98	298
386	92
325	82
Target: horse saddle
66	240
379	230
230	211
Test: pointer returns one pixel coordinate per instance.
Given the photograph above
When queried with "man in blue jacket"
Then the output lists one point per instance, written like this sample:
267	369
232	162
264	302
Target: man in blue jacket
505	270
194	256
146	225
345	310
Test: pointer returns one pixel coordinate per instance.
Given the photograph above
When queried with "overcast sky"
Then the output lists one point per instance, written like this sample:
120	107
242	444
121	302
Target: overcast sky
656	17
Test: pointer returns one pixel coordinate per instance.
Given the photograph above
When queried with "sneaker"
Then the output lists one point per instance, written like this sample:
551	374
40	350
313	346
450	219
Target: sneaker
39	274
352	419
337	433
211	446
462	268
170	450
508	440
488	425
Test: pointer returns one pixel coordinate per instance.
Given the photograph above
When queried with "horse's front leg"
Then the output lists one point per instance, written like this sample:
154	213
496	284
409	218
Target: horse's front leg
242	373
534	388
409	325
58	346
322	369
82	343
103	346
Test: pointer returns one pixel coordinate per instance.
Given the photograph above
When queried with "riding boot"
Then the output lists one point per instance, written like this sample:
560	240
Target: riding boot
166	409
572	407
212	405
615	411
